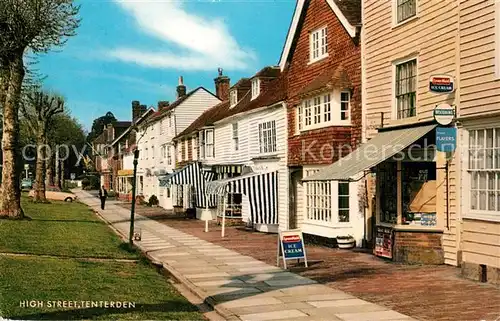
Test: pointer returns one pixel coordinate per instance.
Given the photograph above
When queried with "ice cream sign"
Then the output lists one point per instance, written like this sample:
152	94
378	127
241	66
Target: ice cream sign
291	246
441	84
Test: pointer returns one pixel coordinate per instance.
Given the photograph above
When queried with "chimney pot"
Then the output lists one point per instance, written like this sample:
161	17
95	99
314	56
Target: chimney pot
222	84
181	88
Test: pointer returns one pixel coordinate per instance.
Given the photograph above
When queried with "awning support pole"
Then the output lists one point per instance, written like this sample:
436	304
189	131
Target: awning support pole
223	217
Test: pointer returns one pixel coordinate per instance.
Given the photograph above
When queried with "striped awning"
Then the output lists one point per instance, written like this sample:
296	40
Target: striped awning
195	176
165	179
261	190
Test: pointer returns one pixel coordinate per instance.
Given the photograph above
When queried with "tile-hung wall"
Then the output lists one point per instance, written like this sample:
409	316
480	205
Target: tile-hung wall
405	42
480	136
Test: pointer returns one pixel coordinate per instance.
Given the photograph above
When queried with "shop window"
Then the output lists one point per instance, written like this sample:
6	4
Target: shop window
234	206
419	194
484	170
406	89
388	187
318	200
343	195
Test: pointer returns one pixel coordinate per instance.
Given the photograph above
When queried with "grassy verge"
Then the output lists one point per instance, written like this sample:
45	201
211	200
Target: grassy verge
41	288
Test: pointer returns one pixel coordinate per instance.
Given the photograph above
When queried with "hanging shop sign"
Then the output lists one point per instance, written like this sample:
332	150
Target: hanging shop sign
441	84
383	242
444	114
291	246
446	139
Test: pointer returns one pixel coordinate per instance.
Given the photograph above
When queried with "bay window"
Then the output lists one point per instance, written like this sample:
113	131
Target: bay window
330	109
484	170
326	202
267	137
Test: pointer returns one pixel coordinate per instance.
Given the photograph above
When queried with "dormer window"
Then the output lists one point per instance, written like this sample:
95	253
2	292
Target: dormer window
255	87
233	97
318	46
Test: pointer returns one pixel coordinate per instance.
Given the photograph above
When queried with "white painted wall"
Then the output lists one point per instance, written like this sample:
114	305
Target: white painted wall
162	132
248	135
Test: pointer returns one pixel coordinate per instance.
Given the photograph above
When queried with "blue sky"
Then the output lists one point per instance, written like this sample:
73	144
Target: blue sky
136	50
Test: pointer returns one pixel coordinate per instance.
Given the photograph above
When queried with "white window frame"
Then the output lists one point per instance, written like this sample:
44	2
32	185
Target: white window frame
268	137
162	125
169	154
476	164
209	143
394	114
201	143
325	114
255	88
179	153
186	148
318	41
234	135
233	97
299	118
395	22
321	202
194	148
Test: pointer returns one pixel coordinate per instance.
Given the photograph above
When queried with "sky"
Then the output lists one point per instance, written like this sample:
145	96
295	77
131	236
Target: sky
128	50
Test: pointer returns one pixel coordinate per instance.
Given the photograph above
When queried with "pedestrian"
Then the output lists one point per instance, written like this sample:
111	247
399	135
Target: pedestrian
103	193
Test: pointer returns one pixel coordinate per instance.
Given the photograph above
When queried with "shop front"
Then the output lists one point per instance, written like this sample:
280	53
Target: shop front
411	179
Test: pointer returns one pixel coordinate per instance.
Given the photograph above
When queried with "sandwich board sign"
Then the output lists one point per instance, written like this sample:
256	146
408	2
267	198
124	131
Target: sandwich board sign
291	247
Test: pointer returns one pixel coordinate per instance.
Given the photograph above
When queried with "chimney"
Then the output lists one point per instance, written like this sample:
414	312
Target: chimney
137	110
163	104
181	89
222	86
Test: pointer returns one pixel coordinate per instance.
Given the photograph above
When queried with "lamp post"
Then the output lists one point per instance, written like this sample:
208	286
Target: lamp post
132	209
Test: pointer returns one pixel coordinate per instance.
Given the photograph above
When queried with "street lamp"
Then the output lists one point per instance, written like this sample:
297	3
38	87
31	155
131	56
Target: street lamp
132	210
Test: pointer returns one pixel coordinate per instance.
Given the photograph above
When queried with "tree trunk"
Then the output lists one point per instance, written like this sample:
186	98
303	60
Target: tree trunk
49	176
40	164
57	170
61	182
11	170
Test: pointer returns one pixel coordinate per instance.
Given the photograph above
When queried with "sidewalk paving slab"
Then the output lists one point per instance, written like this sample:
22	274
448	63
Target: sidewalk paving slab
239	287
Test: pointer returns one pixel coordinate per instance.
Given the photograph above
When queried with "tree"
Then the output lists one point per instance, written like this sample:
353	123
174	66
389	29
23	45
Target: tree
41	109
25	25
98	125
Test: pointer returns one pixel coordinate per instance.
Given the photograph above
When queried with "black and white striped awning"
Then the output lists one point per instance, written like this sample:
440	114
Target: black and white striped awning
261	190
193	175
164	180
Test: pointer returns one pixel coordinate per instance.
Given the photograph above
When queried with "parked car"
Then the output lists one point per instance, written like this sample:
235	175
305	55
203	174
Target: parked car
56	194
26	183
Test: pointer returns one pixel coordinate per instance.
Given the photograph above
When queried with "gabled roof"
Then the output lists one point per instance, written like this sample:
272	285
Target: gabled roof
275	92
207	118
347	11
268	72
242	83
144	116
160	113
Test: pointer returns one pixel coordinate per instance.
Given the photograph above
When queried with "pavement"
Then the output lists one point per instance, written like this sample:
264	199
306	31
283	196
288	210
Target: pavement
237	286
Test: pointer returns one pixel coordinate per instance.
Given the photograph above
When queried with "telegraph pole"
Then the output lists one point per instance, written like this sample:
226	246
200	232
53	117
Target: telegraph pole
132	209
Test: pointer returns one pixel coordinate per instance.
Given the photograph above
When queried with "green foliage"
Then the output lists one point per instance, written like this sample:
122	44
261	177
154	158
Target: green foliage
98	125
153	201
71	185
111	194
86	183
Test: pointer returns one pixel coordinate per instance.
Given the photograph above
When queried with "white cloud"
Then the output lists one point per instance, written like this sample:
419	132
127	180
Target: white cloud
204	43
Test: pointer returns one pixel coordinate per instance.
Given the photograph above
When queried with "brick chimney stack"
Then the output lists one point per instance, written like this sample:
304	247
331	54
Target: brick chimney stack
222	86
181	89
137	110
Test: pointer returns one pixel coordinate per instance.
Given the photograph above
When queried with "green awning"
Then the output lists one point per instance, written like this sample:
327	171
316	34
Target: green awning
383	146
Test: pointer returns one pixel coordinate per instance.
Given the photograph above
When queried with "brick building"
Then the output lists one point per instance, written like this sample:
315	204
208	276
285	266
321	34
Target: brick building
322	57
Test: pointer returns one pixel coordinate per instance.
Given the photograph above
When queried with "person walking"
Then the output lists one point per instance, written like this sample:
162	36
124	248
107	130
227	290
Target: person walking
103	194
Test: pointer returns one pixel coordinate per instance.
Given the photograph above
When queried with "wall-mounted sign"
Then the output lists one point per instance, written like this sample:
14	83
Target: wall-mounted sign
444	114
291	246
441	84
383	242
446	139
